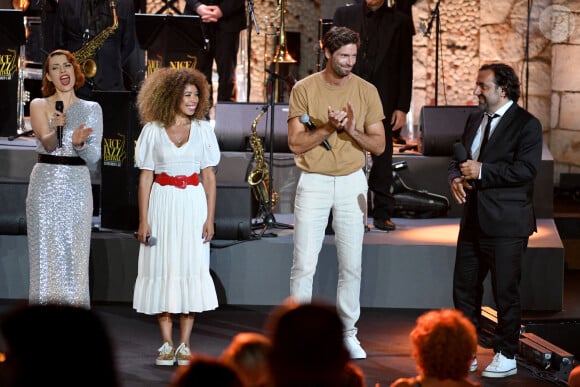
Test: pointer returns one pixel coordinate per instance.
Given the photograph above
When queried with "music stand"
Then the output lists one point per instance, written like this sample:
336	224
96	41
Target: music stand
12	39
170	36
12	27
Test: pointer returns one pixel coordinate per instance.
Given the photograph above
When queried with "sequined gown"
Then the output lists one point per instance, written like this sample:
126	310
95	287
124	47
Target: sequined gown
173	275
59	209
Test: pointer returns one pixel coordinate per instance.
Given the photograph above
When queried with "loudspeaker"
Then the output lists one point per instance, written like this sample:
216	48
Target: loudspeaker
13	215
234	121
233	212
440	127
119	176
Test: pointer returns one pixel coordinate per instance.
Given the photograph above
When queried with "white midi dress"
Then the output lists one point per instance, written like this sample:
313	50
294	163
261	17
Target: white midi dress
174	275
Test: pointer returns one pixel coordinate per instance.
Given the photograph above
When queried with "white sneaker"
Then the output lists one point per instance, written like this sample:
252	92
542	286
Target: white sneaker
500	367
166	355
354	348
182	354
473	366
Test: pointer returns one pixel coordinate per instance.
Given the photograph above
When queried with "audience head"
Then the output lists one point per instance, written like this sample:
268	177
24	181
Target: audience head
207	372
248	354
574	378
353	376
59	345
307	347
444	342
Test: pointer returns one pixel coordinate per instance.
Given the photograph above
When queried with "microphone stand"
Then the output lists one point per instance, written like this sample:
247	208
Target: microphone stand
427	34
269	220
251	20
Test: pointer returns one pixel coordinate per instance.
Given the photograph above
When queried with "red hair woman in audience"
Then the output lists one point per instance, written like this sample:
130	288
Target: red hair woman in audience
444	342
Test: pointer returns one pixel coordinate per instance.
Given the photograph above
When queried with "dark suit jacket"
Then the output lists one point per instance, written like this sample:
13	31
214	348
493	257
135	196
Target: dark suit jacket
233	20
511	159
113	54
392	72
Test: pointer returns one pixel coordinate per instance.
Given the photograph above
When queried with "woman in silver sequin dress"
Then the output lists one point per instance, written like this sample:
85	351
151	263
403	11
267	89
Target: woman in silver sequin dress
177	151
59	205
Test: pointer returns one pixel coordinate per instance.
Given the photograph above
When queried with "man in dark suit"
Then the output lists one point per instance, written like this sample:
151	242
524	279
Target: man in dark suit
385	59
222	21
494	180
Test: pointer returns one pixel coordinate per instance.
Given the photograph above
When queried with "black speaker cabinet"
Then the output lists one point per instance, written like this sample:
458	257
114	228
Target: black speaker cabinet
233	212
119	176
13	214
440	127
234	121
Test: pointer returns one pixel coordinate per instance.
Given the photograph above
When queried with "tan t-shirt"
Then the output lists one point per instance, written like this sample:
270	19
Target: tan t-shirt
312	95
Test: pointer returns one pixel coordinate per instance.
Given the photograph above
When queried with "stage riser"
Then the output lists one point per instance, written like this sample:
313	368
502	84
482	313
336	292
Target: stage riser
257	273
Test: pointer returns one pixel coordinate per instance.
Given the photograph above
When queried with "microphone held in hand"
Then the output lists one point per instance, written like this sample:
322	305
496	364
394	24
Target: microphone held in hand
305	119
59	107
151	240
460	152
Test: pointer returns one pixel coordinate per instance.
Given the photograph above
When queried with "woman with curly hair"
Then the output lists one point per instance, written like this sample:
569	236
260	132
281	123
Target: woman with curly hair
177	151
444	342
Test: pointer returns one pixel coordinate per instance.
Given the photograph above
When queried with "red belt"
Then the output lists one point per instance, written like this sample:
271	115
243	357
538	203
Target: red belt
180	181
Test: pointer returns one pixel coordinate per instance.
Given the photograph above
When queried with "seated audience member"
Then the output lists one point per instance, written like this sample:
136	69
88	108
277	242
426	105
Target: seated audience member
574	378
307	346
206	371
353	376
248	354
56	345
444	342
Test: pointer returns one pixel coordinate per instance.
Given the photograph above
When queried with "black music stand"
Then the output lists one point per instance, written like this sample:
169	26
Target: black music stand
12	37
171	37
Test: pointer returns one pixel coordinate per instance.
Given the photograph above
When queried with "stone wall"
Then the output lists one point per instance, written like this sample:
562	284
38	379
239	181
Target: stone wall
541	43
564	136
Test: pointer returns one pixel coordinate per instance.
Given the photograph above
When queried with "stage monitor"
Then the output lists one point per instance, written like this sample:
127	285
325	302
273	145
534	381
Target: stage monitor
440	127
234	121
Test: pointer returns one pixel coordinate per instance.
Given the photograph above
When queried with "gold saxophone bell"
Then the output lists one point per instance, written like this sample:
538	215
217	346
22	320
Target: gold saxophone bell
89	68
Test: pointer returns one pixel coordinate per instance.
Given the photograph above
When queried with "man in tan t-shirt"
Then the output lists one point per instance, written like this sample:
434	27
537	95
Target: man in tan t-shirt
347	113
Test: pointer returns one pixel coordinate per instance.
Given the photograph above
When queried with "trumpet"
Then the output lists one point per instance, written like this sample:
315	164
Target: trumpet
282	55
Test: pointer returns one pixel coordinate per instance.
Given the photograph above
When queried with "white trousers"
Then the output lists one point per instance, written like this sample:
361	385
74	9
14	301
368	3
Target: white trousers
346	197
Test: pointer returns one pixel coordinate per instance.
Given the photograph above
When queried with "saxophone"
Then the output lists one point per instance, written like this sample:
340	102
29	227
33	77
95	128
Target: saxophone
259	177
86	53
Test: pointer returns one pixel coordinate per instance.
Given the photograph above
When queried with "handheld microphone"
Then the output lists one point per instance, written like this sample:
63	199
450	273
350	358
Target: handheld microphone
305	119
59	107
460	152
151	240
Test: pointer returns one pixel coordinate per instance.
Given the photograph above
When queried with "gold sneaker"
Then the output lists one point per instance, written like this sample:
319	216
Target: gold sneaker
182	354
166	355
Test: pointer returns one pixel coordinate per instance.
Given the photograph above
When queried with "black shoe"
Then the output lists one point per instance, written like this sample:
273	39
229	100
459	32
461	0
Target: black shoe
398	139
384	224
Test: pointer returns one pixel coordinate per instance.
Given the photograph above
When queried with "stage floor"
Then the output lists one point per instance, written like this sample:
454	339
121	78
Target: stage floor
411	267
